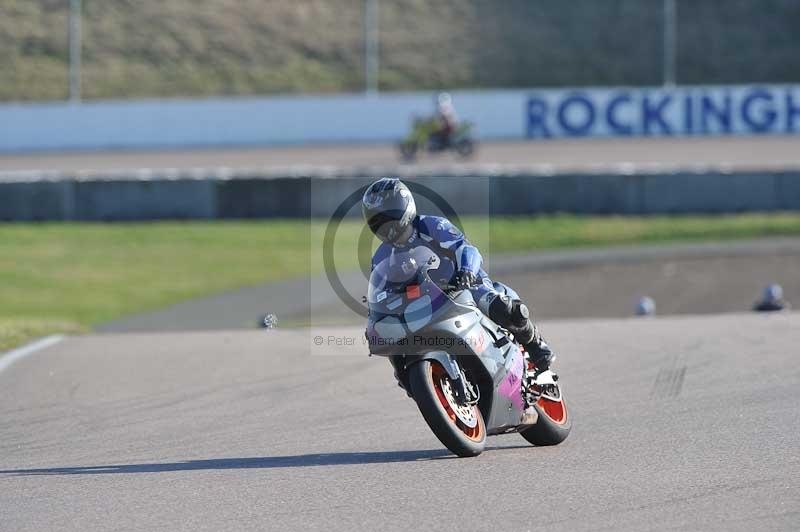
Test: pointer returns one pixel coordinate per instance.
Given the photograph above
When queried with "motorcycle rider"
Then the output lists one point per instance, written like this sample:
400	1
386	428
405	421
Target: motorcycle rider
446	118
391	214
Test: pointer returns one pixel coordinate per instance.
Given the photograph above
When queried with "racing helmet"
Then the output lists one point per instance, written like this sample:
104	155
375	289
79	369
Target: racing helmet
444	99
773	293
389	210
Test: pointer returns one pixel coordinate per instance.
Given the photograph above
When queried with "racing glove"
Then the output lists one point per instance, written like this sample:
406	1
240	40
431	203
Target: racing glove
465	279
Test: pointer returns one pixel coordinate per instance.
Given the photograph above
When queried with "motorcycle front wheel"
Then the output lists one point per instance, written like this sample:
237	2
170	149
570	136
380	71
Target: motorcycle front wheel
465	147
408	151
459	427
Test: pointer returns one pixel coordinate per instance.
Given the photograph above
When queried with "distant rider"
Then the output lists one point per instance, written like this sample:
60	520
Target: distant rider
772	300
446	118
391	213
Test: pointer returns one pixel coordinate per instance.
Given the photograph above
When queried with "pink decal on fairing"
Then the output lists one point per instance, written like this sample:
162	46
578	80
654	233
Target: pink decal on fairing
511	387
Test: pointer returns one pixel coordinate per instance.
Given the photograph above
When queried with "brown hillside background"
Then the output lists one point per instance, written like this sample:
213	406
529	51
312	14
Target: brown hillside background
197	48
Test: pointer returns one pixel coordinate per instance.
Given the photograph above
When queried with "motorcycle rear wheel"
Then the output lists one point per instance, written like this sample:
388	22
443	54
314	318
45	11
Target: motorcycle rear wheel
430	387
553	426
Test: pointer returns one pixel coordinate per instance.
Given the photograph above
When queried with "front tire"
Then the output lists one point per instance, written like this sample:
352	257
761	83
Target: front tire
408	151
465	148
430	387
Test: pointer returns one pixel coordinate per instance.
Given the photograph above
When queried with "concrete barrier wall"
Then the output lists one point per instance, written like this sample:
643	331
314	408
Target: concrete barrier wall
244	121
298	197
498	114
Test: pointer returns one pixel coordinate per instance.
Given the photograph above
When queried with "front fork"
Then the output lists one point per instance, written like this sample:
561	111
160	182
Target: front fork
464	392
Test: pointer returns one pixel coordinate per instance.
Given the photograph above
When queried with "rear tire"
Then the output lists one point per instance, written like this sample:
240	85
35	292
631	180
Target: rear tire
553	426
428	387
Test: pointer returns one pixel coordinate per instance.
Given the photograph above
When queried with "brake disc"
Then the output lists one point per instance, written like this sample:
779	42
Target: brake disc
465	413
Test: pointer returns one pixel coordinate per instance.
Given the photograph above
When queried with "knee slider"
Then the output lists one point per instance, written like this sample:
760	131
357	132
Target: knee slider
519	313
500	310
507	311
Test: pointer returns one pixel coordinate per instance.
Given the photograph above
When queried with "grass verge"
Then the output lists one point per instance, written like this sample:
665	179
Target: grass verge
58	277
14	332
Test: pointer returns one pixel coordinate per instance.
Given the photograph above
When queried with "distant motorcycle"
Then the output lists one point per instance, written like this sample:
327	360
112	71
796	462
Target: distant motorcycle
424	136
468	376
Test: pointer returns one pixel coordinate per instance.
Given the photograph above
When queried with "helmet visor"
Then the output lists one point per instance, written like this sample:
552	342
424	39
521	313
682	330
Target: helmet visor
389	226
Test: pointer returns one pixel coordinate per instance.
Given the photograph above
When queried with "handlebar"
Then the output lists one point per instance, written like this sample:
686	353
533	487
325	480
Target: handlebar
448	286
451	286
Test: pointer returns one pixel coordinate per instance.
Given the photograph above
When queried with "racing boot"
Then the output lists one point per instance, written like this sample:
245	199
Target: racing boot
515	316
540	353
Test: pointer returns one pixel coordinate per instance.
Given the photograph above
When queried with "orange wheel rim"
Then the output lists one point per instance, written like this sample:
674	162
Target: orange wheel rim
438	374
555	410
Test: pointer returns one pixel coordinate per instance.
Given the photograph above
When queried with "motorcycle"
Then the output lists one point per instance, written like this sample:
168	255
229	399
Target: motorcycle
469	377
425	136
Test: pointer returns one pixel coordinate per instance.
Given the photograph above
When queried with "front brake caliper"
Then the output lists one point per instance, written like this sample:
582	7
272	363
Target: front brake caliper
465	392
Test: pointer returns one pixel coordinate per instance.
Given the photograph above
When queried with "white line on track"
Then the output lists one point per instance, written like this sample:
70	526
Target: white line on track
7	359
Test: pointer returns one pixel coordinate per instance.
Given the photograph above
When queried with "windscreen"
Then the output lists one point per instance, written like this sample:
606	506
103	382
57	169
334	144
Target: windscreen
401	269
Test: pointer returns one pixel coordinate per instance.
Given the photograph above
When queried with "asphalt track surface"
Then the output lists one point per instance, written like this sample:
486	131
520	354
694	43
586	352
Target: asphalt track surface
679	423
593	155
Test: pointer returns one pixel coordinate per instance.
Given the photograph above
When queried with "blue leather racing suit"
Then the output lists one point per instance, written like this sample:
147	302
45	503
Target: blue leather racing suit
455	252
